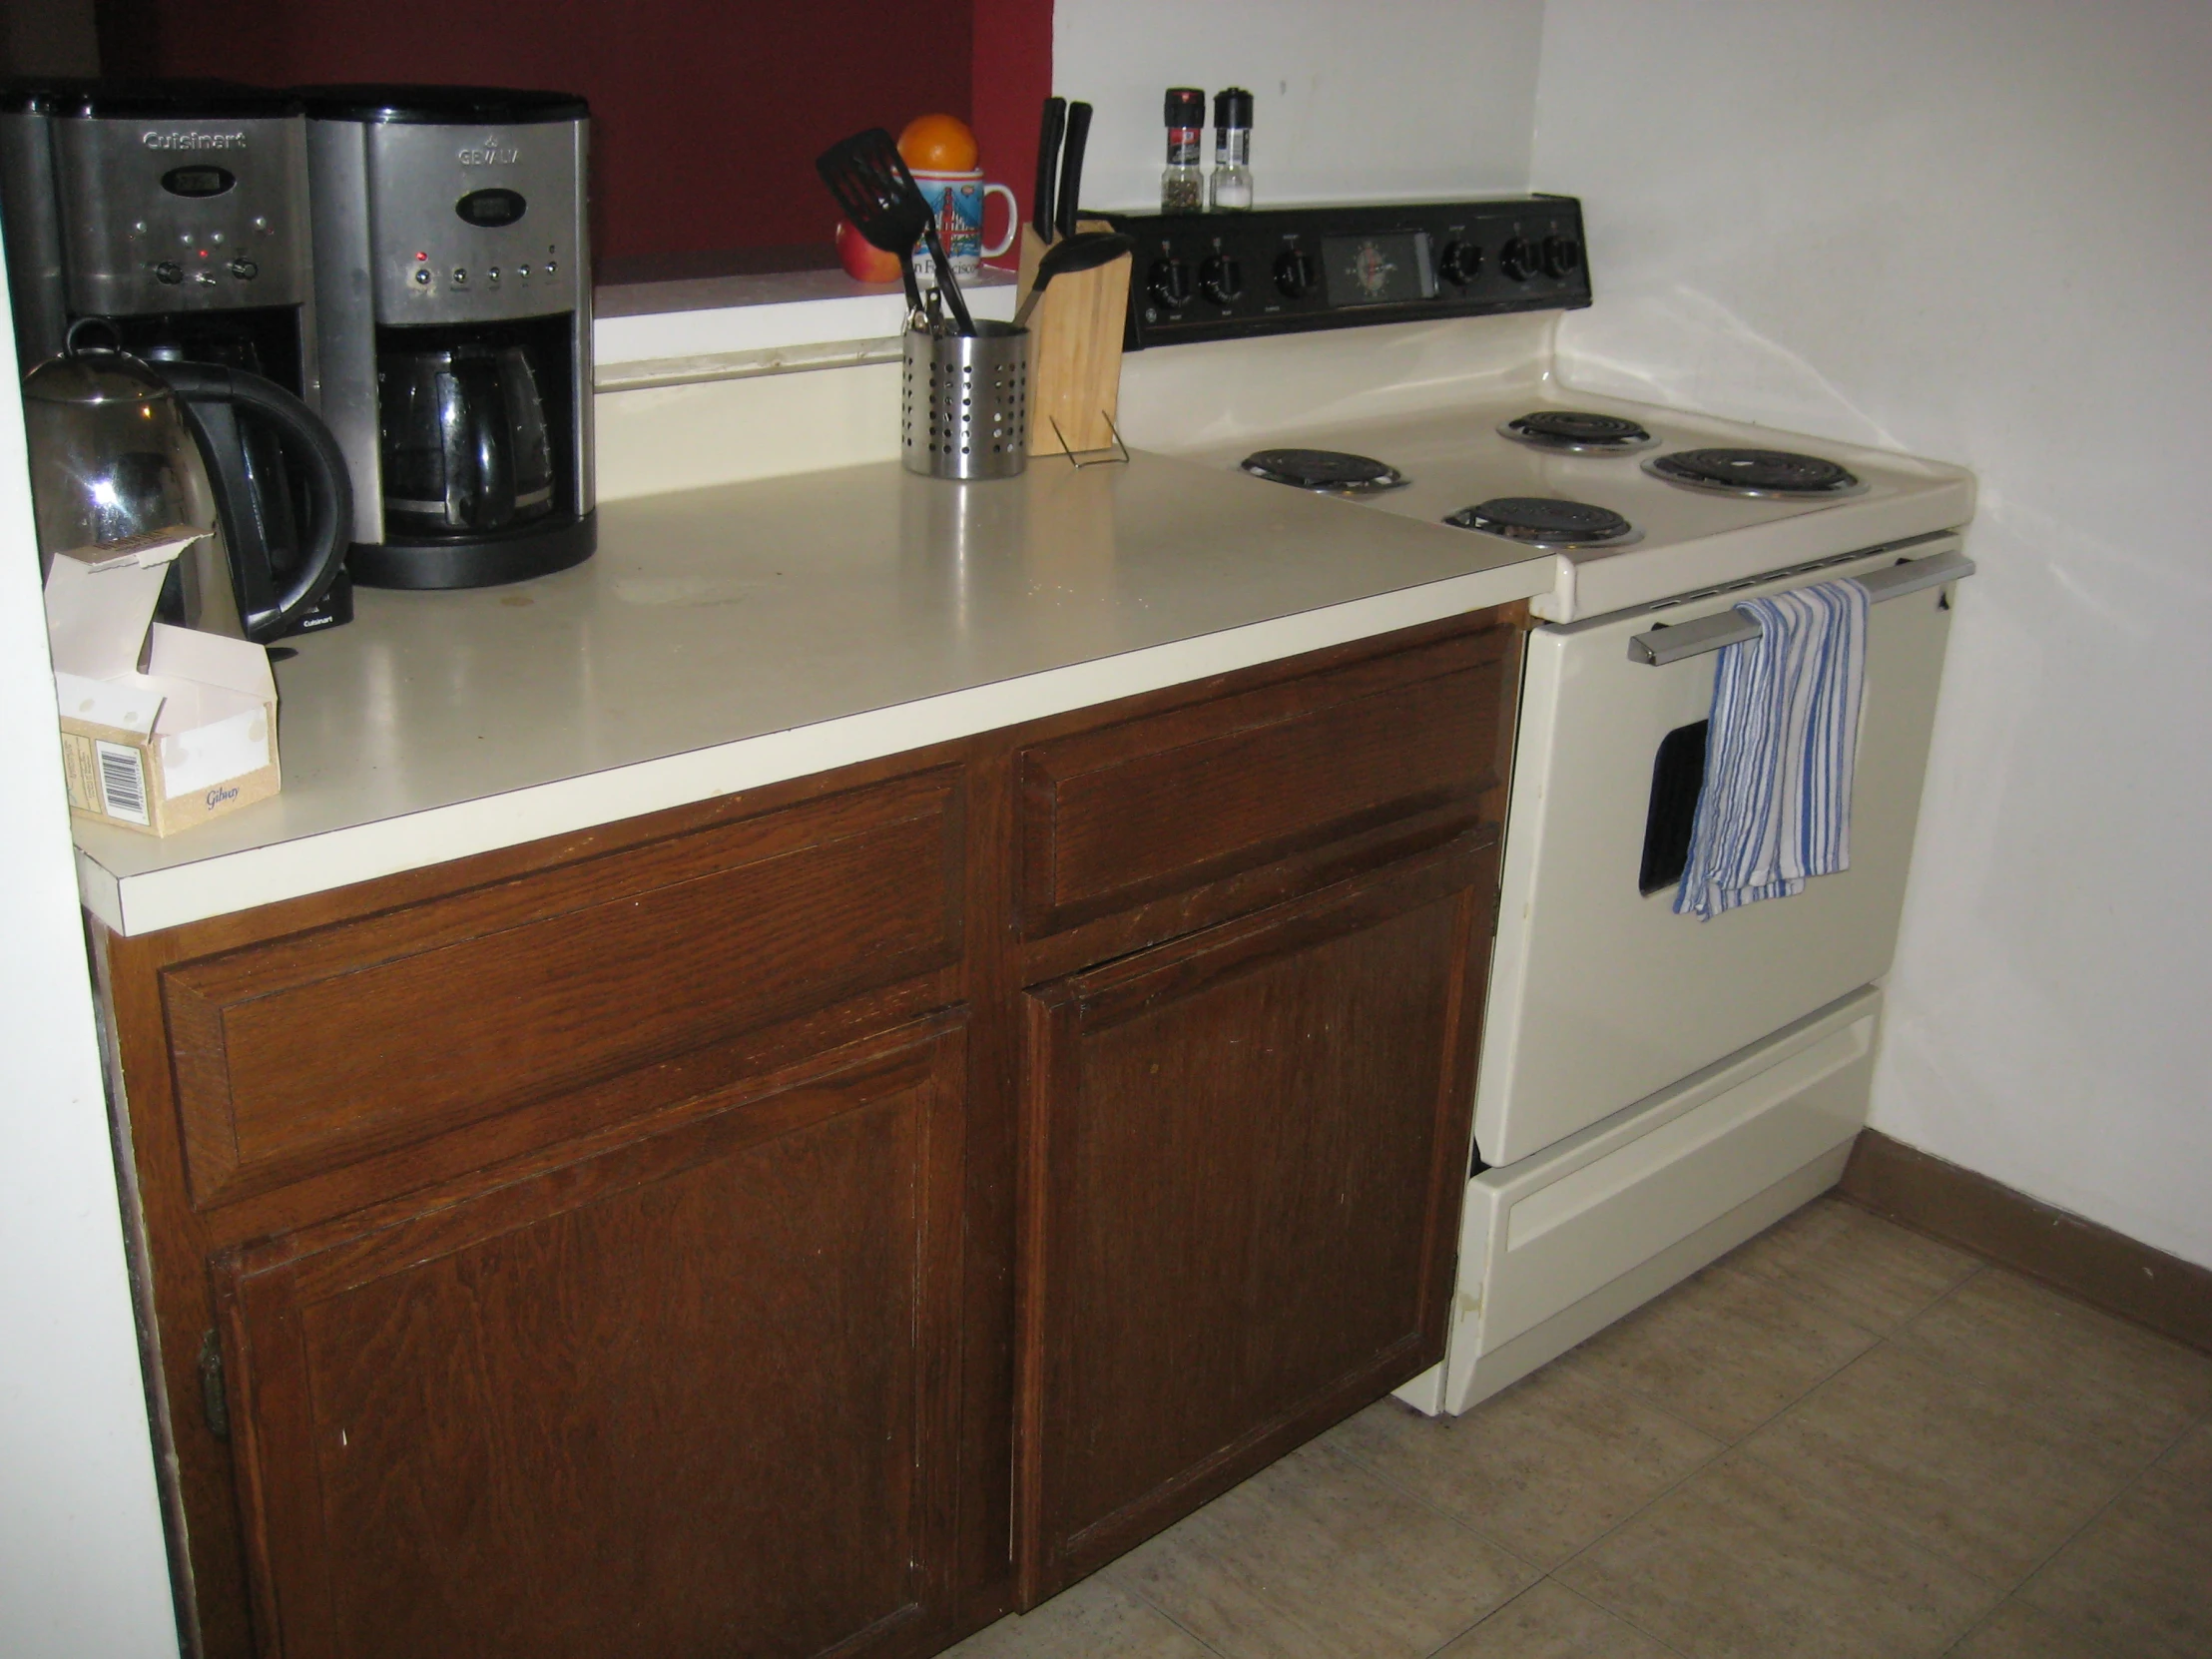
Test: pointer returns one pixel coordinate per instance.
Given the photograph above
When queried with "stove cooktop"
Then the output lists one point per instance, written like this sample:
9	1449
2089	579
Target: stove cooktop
1546	523
1429	462
1330	470
1577	432
1771	474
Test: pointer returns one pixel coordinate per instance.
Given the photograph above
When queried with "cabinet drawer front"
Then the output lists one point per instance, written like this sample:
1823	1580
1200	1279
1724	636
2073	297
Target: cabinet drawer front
349	1040
1160	805
691	1395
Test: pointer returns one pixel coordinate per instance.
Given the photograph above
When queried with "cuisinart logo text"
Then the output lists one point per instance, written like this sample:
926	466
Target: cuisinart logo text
490	153
192	139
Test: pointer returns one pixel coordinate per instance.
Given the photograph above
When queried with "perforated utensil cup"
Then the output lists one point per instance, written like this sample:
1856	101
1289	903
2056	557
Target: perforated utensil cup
967	402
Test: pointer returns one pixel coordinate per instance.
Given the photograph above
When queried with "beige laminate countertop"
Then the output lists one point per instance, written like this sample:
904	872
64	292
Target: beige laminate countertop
726	638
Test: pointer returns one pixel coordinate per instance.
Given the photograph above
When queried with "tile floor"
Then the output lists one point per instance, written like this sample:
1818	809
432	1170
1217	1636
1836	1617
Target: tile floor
1843	1439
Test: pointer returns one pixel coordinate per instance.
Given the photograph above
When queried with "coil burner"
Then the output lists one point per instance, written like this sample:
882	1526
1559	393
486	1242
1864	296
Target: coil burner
1775	474
1330	471
1548	526
1577	432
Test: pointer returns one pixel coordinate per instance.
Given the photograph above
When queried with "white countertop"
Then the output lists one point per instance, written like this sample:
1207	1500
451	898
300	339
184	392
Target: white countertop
732	637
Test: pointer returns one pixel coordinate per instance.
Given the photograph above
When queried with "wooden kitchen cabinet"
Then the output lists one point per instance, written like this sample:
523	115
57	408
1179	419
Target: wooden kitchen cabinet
667	1238
563	1251
1243	1154
691	1395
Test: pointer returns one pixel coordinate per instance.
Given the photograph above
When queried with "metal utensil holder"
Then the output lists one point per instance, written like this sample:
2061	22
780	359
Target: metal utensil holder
967	402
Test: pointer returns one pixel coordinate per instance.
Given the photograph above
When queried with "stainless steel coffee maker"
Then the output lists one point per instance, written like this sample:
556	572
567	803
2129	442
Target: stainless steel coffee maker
177	213
453	294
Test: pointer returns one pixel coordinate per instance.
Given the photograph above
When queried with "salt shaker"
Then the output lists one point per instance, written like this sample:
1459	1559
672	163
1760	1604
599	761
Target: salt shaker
1229	188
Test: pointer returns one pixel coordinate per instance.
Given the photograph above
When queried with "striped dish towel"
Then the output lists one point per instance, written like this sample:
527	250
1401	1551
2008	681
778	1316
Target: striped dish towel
1778	751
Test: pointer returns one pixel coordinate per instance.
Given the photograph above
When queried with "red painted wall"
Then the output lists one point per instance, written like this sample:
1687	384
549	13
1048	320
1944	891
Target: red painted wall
707	116
1011	79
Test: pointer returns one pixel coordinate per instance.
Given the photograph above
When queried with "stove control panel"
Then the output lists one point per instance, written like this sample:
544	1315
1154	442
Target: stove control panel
1275	271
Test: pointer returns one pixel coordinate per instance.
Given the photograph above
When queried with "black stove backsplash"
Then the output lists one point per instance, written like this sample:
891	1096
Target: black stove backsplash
1226	276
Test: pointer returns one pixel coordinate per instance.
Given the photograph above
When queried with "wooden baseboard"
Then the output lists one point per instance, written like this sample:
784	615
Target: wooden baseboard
2105	1269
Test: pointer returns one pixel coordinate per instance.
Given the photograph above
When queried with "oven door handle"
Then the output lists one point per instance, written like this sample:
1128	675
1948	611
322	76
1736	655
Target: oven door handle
1664	644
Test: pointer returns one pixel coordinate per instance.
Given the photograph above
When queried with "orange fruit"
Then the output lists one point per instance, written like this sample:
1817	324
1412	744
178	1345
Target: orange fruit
938	144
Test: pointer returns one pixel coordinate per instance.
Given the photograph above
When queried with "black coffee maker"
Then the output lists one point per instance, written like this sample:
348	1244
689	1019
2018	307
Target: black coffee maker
453	301
176	213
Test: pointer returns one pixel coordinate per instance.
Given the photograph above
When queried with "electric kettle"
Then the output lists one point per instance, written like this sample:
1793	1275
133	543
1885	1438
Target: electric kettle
120	446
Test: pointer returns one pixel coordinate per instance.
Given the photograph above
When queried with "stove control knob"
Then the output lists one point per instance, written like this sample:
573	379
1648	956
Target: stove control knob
1169	283
1460	262
1562	255
1221	279
168	271
1294	273
1518	258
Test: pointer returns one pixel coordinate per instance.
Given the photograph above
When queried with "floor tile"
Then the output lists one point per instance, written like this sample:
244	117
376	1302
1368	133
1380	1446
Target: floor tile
1872	1271
1543	1468
1552	1622
1093	1620
1740	1562
1316	1558
2018	1631
1975	1472
2103	1375
2139	1576
1723	1350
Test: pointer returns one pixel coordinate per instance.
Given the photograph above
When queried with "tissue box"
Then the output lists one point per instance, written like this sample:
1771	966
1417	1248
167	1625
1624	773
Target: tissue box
189	737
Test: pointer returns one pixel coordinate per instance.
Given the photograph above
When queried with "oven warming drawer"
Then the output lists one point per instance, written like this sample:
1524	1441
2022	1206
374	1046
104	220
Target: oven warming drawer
1559	1244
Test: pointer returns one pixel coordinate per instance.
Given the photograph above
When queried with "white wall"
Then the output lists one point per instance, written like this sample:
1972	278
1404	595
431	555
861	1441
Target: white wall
81	1570
1976	229
1405	97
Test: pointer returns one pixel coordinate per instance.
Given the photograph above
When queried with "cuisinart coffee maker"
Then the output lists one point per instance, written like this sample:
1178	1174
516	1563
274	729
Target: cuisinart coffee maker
177	213
453	292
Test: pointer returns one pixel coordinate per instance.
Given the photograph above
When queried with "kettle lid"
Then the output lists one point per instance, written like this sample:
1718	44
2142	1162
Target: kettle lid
90	373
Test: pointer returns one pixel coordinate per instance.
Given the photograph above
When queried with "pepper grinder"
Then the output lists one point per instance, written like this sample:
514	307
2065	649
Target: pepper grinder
1183	185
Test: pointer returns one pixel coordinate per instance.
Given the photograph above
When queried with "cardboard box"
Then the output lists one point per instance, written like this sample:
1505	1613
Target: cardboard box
161	728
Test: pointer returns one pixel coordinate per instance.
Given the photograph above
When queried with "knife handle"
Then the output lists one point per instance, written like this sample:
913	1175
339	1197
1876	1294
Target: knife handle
1048	164
1071	166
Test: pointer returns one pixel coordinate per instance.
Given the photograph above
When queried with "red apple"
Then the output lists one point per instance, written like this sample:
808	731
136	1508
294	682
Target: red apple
863	261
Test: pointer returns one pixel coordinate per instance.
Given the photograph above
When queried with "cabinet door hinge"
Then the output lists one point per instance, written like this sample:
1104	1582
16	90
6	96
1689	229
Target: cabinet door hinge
215	1403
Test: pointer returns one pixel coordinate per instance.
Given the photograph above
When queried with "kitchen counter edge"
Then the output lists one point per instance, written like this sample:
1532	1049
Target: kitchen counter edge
227	883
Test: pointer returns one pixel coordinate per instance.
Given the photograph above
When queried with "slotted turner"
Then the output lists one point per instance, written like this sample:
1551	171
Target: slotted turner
870	181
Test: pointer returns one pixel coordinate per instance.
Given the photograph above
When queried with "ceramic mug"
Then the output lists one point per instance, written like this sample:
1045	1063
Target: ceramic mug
957	200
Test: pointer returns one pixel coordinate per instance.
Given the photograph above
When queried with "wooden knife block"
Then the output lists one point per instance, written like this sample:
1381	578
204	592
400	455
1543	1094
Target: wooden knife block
1075	339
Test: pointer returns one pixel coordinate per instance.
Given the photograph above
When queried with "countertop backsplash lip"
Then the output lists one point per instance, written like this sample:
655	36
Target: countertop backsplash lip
649	327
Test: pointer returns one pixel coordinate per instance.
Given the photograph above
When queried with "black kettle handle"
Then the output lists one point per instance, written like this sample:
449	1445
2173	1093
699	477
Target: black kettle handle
331	486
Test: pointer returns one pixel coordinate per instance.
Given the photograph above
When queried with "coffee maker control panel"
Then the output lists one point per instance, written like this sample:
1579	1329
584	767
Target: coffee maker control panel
475	223
166	215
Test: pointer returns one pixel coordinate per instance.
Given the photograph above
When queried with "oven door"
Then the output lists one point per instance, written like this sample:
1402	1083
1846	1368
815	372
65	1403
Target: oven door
1599	993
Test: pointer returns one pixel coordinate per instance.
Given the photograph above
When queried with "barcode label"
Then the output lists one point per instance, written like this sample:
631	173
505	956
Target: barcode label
122	781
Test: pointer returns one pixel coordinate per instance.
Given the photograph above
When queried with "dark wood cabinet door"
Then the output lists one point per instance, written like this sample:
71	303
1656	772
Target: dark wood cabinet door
1242	1163
693	1394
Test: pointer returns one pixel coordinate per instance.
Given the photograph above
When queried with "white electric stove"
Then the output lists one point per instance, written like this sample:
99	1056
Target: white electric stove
1653	1089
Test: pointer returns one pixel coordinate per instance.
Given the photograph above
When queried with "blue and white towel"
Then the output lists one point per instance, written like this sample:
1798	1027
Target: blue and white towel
1778	751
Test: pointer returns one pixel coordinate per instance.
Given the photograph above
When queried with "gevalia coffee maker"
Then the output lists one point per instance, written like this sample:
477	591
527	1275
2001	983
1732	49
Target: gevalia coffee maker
176	213
453	298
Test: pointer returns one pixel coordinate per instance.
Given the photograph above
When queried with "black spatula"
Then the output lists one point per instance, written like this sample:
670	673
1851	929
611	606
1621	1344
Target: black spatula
871	183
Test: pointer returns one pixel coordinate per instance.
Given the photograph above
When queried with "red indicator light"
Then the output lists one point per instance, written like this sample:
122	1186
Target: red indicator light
423	255
202	253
